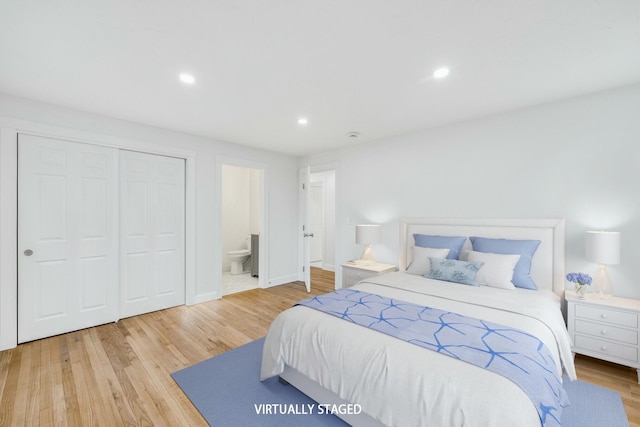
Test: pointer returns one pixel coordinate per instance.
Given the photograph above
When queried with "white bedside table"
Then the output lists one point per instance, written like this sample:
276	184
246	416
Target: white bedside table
606	329
353	273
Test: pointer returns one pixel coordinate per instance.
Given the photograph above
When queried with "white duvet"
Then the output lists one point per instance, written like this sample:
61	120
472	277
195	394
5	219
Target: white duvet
401	384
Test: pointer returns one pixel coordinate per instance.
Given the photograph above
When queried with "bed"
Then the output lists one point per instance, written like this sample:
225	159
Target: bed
397	383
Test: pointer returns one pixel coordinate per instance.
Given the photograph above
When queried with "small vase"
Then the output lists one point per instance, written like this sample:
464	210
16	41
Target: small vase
580	291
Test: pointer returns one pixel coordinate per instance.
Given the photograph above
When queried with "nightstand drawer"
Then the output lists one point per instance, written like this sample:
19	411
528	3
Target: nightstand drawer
600	330
609	316
607	348
354	275
353	272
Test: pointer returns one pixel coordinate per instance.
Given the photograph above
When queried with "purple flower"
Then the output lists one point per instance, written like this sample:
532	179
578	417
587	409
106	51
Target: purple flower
579	278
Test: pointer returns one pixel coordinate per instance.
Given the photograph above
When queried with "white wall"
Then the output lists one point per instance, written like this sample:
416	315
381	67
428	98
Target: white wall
578	159
255	201
280	180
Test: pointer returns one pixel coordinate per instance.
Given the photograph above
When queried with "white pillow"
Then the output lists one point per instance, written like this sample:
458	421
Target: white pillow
420	263
497	270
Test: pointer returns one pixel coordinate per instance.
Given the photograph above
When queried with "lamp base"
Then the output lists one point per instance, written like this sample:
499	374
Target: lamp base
602	286
367	257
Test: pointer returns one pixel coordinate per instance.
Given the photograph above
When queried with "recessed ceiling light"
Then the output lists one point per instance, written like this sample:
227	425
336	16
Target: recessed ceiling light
441	73
187	79
302	121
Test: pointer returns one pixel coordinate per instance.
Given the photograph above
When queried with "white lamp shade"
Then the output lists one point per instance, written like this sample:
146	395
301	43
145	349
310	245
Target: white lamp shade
367	234
603	247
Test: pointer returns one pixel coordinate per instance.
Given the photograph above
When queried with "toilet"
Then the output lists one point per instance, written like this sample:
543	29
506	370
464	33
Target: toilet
239	257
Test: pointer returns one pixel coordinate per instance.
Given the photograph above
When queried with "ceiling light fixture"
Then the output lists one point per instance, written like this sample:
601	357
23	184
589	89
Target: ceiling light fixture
441	73
302	121
187	79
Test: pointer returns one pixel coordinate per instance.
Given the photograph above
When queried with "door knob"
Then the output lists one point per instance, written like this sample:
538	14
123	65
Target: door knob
28	252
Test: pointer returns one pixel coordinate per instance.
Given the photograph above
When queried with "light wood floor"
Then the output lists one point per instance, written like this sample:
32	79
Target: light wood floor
119	374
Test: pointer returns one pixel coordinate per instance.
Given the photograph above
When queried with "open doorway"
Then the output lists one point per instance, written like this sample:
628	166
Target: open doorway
242	196
322	219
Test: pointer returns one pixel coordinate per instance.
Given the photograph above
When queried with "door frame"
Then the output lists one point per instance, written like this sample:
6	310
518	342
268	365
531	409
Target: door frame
9	130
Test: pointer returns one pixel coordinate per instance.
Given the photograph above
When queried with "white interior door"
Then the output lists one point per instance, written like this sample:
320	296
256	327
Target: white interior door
316	221
67	236
152	199
305	234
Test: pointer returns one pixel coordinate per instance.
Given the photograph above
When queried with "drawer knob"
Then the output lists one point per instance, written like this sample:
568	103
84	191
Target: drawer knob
603	332
604	316
603	348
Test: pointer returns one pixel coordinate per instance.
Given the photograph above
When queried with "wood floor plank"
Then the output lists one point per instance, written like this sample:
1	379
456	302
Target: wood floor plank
37	395
86	395
58	410
47	378
102	376
120	373
113	346
74	413
22	380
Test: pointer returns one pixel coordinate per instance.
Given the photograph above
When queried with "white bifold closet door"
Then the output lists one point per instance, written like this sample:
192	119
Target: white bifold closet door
152	210
67	236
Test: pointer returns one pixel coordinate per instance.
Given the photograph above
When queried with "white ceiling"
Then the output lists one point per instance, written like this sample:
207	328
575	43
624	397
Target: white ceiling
346	65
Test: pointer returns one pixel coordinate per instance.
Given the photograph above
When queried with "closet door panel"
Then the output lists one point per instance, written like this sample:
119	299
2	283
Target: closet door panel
67	236
152	232
94	286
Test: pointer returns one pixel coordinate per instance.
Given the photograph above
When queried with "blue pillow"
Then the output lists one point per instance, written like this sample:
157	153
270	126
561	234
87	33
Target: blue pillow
453	270
453	243
524	248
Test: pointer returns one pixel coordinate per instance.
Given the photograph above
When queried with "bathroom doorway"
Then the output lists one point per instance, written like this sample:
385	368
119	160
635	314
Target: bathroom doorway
242	225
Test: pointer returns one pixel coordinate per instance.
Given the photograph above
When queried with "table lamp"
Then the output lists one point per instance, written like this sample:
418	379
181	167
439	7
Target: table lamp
368	234
603	247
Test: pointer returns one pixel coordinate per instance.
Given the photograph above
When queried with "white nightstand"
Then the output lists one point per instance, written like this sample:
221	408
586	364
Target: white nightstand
353	273
606	329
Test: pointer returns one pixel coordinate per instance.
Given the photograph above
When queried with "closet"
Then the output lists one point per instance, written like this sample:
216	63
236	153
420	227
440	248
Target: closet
100	235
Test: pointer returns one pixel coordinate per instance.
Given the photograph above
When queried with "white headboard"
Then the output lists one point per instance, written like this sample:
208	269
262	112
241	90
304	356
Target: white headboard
547	267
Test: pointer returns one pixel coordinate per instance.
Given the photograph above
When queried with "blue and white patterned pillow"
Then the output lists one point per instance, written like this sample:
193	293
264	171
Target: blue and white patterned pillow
453	270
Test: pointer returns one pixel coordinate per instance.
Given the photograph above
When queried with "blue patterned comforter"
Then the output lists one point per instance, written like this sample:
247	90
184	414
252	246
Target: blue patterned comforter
512	353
